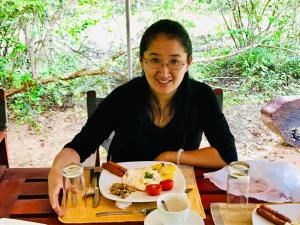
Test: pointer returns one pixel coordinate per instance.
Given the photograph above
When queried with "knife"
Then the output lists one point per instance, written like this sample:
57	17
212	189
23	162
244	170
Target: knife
96	198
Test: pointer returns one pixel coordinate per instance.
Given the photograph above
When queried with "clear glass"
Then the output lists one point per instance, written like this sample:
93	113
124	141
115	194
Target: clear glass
73	203
237	191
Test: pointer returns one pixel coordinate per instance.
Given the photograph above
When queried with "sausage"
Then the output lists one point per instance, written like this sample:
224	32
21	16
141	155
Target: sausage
123	169
269	216
276	213
113	169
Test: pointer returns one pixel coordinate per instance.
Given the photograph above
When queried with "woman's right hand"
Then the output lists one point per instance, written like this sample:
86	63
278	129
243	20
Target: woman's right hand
55	177
55	184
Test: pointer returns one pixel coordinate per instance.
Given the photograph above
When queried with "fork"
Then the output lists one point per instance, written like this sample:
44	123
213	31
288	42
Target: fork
144	211
90	190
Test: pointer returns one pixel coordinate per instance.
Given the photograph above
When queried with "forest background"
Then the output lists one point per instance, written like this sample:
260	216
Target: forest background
53	51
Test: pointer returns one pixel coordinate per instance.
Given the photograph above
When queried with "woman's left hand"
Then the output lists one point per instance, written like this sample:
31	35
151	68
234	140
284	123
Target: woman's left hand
169	156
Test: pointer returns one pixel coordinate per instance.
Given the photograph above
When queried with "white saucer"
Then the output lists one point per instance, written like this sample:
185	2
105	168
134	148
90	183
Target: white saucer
154	219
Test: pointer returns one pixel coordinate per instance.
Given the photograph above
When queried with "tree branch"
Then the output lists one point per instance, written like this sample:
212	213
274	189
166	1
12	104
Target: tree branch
228	28
74	75
239	51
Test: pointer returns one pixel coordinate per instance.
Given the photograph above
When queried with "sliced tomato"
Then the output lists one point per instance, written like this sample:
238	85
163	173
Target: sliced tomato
167	184
153	189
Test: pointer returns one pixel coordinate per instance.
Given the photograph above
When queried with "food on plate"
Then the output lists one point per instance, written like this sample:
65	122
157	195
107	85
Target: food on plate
122	190
167	184
151	179
276	213
139	178
123	169
166	170
272	215
153	189
114	168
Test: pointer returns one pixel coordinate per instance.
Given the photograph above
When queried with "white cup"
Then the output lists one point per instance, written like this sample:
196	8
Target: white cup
178	207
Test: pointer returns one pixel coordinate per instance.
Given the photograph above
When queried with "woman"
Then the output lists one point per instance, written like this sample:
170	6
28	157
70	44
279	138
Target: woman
155	116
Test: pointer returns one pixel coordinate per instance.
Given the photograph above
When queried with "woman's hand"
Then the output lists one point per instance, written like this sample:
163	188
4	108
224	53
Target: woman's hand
207	157
55	184
168	156
55	177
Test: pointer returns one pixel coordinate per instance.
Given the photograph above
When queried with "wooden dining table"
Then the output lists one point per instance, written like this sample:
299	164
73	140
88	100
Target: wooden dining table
24	195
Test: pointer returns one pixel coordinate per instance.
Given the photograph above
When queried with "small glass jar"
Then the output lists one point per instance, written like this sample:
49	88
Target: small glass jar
237	192
73	202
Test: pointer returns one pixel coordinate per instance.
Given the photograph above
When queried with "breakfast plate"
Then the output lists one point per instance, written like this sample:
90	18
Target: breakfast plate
154	219
107	179
290	210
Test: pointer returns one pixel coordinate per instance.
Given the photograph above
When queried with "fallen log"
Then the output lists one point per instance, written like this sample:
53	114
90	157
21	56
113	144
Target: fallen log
282	116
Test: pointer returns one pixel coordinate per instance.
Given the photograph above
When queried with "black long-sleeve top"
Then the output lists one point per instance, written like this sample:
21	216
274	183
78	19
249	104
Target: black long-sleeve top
137	138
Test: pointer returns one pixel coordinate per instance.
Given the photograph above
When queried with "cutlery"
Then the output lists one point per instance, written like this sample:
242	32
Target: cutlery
164	205
144	211
188	190
73	195
90	190
96	198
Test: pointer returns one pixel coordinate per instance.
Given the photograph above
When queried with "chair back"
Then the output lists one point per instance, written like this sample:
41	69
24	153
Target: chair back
219	94
92	100
3	111
92	103
3	132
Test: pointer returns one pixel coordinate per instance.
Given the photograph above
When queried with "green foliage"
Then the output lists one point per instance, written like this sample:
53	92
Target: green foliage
77	29
255	76
256	21
52	37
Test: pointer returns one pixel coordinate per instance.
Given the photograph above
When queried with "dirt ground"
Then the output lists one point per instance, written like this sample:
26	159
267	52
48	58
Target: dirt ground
28	148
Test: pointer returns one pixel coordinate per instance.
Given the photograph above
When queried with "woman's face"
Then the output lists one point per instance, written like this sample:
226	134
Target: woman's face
164	63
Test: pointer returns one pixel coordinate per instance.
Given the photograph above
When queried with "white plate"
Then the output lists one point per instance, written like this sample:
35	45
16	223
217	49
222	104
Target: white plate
289	210
8	221
154	219
107	179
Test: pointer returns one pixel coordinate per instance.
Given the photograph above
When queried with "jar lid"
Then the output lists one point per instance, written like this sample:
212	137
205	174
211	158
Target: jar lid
72	170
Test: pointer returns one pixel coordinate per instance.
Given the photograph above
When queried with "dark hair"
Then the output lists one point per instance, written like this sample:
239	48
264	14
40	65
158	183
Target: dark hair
171	29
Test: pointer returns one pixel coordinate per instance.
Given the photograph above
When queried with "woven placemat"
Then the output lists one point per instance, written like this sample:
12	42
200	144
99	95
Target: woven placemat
88	215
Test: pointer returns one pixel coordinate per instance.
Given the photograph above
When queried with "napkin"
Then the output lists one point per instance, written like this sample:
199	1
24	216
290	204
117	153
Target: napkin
269	181
7	221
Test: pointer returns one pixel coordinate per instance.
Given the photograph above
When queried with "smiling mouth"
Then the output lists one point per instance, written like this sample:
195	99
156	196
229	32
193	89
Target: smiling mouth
163	81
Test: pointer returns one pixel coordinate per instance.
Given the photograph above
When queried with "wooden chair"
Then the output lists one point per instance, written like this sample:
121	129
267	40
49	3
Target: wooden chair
219	95
3	132
92	102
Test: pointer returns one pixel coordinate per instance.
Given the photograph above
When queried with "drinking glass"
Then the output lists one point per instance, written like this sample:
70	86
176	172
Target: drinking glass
73	203
237	191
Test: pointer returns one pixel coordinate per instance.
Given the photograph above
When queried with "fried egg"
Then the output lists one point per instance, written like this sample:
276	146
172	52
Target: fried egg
141	177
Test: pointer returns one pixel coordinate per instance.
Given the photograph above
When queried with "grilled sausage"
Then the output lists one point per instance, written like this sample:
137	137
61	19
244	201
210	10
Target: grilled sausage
123	169
113	169
269	216
276	213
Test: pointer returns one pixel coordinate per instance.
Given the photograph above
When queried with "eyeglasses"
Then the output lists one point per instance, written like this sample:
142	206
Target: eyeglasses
156	63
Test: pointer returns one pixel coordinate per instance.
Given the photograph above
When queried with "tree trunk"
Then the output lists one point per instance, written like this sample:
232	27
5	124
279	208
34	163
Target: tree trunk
30	52
282	116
